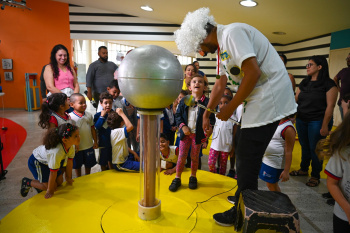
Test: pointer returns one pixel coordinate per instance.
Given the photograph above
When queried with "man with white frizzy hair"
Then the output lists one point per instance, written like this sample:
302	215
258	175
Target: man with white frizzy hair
248	60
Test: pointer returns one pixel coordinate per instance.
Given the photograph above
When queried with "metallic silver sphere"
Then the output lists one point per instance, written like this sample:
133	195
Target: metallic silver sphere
150	77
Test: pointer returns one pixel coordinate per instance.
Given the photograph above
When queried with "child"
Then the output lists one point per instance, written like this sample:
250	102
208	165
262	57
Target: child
114	90
221	146
278	155
182	94
131	112
123	158
53	111
190	70
104	132
45	162
169	125
189	121
338	172
88	138
168	155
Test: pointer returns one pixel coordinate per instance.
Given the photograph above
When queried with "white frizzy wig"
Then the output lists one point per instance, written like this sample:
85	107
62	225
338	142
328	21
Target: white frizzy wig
192	31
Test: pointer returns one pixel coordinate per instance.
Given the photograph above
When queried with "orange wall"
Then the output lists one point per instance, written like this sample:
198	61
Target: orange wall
27	38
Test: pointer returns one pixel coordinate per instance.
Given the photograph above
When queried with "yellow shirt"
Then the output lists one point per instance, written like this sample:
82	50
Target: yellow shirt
184	85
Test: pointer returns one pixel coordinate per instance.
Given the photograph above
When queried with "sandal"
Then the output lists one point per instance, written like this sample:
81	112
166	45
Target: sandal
313	182
298	173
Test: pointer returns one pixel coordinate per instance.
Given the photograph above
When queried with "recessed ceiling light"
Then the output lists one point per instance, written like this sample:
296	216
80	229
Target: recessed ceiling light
279	33
146	8
248	3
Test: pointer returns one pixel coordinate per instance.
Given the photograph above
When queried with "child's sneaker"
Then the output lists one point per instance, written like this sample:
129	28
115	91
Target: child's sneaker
231	173
25	187
175	184
193	183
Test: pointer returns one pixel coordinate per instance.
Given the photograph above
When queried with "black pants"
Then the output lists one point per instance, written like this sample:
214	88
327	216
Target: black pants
250	149
340	226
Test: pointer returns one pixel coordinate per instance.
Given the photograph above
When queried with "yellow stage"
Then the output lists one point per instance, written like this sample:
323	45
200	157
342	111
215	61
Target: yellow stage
108	202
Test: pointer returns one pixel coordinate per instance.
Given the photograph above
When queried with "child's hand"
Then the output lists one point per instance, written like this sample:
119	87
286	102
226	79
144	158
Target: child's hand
284	176
209	132
138	138
119	111
48	194
137	158
186	130
204	145
95	146
103	112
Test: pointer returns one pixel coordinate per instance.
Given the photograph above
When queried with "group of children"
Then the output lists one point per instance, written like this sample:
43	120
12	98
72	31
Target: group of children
71	139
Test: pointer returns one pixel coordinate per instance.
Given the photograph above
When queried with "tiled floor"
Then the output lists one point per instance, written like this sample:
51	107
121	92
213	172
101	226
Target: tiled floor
315	215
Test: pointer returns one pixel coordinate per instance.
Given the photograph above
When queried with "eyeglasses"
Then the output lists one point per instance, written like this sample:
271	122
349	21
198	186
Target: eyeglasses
309	65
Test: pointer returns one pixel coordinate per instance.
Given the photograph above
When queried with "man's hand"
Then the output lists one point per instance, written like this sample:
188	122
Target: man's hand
225	113
89	95
206	121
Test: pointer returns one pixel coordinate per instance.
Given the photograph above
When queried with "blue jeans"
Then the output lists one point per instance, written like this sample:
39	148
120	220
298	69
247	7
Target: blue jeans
309	135
341	112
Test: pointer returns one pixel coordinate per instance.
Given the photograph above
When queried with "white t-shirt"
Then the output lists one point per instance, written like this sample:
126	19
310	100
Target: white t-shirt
84	122
172	157
119	143
339	169
222	138
53	157
192	118
273	97
274	154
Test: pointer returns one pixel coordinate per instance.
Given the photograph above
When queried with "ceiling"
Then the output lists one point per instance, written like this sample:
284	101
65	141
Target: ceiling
299	19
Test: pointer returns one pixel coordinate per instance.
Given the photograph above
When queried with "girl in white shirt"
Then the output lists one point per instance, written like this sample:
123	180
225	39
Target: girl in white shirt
58	151
221	146
338	173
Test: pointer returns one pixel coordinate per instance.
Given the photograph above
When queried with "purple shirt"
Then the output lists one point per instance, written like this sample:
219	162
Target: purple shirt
344	77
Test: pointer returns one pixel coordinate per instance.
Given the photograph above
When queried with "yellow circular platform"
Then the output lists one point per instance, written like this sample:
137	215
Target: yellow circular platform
108	202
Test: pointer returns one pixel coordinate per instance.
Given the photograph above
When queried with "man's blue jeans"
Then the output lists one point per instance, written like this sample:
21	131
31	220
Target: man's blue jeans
309	135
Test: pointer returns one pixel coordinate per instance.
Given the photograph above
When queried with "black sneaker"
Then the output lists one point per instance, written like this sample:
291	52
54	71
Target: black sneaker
330	201
231	199
175	184
25	187
327	195
226	218
231	173
193	182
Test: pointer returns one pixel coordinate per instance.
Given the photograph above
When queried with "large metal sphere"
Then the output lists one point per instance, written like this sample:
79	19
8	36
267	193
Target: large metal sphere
150	77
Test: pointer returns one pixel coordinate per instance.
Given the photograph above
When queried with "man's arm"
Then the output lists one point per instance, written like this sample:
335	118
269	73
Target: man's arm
252	74
90	76
215	96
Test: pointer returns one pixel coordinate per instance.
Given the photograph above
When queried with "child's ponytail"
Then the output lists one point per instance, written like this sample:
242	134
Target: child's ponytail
52	103
54	136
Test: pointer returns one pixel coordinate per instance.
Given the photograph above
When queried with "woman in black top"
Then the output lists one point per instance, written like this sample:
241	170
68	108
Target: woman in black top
316	98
